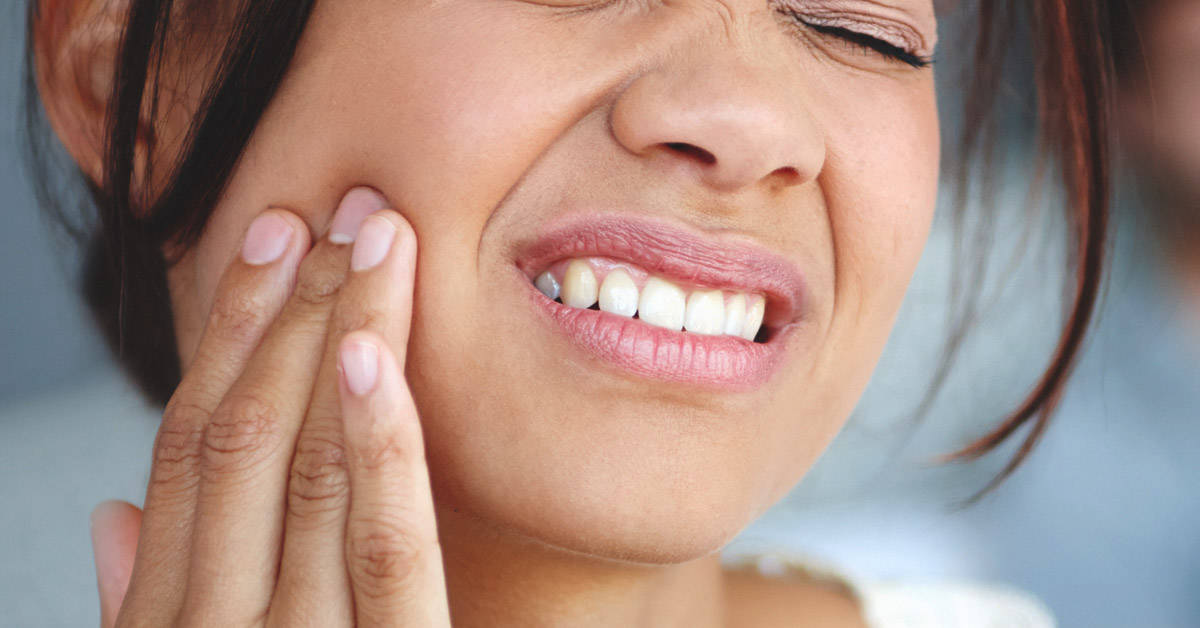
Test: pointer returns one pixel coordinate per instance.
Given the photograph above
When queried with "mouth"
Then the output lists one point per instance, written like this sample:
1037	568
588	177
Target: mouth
657	301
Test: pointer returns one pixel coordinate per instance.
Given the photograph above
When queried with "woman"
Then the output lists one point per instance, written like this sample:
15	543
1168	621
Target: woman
509	312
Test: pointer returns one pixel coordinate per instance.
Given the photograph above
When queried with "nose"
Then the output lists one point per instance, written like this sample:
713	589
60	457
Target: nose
734	122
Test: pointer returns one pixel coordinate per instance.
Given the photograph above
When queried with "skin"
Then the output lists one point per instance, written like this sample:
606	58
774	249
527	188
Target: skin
566	492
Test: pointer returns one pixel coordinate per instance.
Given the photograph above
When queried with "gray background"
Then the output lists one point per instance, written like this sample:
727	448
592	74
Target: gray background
1101	523
46	340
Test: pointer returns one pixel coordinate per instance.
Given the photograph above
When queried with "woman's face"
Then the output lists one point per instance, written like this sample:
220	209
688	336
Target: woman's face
711	144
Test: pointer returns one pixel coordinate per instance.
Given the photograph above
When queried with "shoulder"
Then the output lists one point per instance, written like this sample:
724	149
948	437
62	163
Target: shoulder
886	603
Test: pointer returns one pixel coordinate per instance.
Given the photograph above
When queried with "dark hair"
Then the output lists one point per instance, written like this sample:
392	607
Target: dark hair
1073	73
124	280
1125	20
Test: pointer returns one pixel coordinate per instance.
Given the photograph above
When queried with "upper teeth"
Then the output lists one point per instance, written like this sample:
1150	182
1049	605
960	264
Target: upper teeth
658	302
579	286
618	293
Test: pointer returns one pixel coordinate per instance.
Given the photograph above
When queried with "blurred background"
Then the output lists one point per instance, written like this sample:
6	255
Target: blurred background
1102	522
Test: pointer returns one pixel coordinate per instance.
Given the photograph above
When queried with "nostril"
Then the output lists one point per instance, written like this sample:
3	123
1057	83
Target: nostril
788	175
695	151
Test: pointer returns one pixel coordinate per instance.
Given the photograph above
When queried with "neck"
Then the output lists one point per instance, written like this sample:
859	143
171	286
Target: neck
498	578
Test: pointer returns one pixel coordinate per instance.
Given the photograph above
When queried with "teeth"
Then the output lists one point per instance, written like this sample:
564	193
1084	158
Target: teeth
735	315
548	285
662	304
619	294
705	312
754	317
659	302
579	285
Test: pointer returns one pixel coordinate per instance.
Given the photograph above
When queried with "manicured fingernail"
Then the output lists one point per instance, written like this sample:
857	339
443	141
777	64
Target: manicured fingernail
360	364
374	239
266	239
354	208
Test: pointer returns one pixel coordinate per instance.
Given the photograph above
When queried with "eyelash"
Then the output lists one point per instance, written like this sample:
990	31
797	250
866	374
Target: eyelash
865	42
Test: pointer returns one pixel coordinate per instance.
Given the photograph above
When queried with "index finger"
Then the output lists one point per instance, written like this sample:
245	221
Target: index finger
392	550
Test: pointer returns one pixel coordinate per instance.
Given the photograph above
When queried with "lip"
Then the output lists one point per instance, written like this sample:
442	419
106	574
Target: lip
678	254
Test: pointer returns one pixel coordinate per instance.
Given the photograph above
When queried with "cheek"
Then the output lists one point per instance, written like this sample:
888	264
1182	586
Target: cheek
193	281
424	98
879	187
881	203
428	100
881	190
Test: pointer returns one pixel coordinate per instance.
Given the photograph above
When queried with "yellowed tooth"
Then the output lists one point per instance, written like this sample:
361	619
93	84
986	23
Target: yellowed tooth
735	315
618	293
754	316
705	312
579	287
662	304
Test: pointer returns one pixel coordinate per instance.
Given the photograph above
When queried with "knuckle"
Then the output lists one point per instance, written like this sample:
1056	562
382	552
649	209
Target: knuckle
177	446
356	313
383	451
183	413
384	556
319	281
319	482
242	430
239	314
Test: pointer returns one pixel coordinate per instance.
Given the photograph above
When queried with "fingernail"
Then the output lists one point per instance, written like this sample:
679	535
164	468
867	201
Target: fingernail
266	239
360	363
354	208
374	239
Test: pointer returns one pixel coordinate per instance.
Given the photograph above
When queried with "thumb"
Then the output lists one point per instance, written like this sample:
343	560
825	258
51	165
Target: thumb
115	526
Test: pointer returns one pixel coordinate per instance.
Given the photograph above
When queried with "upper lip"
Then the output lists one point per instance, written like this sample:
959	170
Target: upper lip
672	252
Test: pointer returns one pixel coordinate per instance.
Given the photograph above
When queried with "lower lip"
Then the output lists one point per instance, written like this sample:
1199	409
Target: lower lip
721	362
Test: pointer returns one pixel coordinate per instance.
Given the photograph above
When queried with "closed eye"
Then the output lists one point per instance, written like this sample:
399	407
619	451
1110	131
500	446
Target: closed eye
866	42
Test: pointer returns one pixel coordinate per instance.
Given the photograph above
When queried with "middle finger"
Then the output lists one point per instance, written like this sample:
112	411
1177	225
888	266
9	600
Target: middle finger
314	587
249	441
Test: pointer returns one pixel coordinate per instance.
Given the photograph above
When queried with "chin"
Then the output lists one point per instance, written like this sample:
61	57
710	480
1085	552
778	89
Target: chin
633	521
618	387
632	485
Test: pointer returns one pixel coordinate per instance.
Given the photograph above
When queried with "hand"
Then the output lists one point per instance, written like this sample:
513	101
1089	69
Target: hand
289	484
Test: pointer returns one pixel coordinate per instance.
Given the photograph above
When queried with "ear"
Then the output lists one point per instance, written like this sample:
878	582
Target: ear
75	47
